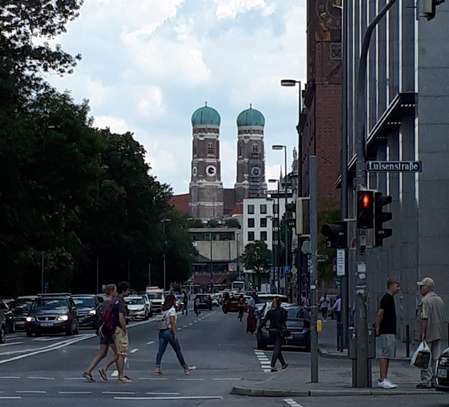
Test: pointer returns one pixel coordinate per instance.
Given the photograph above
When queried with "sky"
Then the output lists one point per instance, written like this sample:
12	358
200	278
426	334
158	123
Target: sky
147	65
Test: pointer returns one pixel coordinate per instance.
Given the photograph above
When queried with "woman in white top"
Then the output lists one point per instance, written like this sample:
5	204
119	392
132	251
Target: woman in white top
167	334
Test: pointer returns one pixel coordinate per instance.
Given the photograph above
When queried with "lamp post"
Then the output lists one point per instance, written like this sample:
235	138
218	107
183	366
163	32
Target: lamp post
278	147
164	221
276	269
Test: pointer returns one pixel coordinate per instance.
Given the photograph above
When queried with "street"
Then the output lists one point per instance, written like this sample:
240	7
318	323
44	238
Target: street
46	371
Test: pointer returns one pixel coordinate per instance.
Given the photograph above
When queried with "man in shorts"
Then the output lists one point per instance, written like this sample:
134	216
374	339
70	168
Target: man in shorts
386	333
120	335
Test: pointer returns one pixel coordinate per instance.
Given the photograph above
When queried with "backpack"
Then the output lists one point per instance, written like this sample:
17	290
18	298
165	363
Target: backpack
107	320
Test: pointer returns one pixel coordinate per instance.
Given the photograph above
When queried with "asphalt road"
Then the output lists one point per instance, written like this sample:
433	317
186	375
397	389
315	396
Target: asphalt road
46	371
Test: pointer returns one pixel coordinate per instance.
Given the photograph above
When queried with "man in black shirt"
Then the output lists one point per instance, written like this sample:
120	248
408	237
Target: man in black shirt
386	333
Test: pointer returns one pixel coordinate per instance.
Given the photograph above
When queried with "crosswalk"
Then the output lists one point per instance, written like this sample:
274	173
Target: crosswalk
264	361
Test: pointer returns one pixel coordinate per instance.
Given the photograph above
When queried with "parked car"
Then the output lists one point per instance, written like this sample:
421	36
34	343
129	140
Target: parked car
157	298
52	313
22	308
216	300
442	371
205	301
138	307
298	325
88	307
10	324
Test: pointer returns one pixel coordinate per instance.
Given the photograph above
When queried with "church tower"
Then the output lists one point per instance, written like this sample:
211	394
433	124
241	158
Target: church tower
250	156
206	188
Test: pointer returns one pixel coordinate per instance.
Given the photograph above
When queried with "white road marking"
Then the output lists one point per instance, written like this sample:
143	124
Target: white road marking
51	339
171	398
189	380
135	350
9	377
10	397
292	403
74	378
40	378
119	392
153	378
74	392
223	379
162	394
31	392
10	344
150	343
185	326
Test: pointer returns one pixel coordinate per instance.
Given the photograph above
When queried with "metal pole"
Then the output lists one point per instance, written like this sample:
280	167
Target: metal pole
313	271
165	271
98	275
149	274
363	366
278	280
42	273
286	222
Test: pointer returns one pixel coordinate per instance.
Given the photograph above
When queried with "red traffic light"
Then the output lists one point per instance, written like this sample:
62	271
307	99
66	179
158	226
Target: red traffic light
365	209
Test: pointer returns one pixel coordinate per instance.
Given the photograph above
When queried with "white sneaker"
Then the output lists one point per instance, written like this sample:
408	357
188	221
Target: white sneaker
386	384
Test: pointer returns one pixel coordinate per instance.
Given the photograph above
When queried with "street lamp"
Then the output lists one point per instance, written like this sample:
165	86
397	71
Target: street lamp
276	248
164	221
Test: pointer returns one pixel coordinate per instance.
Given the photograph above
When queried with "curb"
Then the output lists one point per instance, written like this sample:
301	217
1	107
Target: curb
251	392
327	355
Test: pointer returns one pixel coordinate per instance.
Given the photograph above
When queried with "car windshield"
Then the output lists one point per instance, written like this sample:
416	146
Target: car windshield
155	296
134	301
22	308
47	304
268	298
85	302
295	313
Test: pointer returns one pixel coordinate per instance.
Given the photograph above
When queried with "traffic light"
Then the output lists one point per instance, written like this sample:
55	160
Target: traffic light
429	8
365	209
381	217
336	234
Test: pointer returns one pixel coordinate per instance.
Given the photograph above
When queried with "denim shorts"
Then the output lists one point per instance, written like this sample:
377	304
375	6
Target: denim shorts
386	346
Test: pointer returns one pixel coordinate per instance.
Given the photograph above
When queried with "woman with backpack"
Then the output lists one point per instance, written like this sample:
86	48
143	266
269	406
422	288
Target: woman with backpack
105	332
167	335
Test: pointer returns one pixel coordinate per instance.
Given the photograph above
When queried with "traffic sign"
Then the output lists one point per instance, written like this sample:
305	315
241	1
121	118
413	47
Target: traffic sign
394	166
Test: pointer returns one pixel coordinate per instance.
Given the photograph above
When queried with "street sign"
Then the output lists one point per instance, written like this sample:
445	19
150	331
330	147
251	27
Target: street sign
394	166
341	262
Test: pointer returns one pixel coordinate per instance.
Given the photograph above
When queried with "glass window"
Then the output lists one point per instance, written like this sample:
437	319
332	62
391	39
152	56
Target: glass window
275	222
263	236
251	209
250	236
263	222
263	209
210	148
251	222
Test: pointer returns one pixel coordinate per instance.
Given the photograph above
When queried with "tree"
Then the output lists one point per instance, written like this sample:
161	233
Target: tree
257	257
325	269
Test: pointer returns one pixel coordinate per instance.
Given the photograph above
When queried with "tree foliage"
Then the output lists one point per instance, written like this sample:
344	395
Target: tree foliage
257	257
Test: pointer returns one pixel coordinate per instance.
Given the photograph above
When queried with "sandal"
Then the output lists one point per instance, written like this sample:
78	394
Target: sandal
103	374
124	380
88	377
157	371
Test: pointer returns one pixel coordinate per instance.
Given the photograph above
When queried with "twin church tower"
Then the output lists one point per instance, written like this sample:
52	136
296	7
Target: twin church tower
208	198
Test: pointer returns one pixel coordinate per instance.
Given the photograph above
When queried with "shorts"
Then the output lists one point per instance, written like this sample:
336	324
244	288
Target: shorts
106	339
386	346
120	341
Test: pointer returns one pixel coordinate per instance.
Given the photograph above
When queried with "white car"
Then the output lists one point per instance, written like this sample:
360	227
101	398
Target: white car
138	307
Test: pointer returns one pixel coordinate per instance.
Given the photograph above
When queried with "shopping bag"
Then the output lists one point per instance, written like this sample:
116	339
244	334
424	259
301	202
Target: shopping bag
421	357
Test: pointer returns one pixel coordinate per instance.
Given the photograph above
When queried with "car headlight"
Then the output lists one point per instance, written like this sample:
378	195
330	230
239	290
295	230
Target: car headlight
29	319
93	312
63	318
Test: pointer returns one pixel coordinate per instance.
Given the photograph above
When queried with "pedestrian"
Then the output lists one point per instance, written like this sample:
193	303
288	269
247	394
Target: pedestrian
105	331
241	306
120	336
196	305
167	335
277	317
251	322
324	306
336	308
430	316
185	303
386	333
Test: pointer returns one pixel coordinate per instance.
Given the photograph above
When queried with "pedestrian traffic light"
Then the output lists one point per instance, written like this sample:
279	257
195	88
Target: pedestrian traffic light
381	217
428	8
365	209
336	235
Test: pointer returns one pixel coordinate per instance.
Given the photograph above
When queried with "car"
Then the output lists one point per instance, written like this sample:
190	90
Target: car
157	298
2	327
22	308
442	372
205	301
215	300
88	306
8	313
298	325
52	313
230	304
138	307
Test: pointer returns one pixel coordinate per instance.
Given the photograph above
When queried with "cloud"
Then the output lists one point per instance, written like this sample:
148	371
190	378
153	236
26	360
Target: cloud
115	124
231	8
149	103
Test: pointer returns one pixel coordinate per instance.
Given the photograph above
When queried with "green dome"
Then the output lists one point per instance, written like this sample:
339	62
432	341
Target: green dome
206	115
251	117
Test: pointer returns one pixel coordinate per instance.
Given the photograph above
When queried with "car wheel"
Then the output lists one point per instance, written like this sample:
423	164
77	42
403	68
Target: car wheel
29	333
37	333
69	331
77	330
151	314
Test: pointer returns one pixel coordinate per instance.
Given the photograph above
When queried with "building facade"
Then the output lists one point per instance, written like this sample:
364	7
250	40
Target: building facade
407	119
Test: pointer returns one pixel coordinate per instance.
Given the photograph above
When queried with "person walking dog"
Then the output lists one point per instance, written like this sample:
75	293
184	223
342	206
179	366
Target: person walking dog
167	335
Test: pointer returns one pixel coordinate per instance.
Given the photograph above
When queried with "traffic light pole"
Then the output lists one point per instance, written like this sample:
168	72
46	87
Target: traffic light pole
362	374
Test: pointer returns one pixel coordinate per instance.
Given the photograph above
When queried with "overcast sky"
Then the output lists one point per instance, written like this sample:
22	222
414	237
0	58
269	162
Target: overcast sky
148	64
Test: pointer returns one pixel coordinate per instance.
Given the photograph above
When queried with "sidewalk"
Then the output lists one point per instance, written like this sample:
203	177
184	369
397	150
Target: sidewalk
335	376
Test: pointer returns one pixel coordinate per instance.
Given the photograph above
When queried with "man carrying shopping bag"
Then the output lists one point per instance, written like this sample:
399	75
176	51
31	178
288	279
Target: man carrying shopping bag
429	315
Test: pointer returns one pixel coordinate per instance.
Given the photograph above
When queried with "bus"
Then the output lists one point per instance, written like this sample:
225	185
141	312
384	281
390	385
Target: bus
238	286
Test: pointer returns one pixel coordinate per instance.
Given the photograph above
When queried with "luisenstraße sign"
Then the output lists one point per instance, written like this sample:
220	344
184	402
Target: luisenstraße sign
394	166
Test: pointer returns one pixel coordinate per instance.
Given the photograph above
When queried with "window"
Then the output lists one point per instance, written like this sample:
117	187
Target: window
275	208
210	148
255	148
275	222
263	222
250	236
251	209
263	209
251	222
263	236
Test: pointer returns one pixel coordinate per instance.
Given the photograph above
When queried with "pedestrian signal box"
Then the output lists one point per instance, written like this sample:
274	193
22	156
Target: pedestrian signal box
365	209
